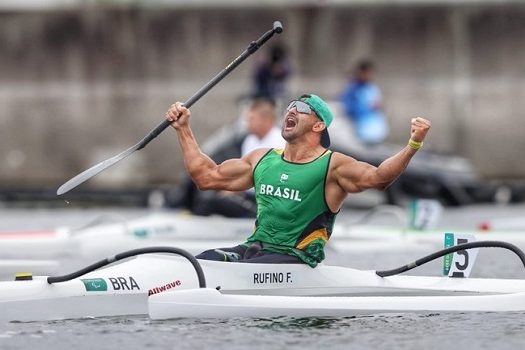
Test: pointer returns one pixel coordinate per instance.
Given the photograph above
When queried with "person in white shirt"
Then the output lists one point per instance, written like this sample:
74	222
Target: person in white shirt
262	128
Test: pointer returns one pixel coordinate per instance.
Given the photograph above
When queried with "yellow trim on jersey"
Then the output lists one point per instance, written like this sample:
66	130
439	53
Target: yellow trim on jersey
320	233
280	151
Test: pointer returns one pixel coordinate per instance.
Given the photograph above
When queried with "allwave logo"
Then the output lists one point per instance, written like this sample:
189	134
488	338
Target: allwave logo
284	177
95	284
281	192
164	288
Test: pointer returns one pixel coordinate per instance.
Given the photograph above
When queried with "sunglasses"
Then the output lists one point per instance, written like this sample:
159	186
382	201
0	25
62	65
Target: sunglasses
301	107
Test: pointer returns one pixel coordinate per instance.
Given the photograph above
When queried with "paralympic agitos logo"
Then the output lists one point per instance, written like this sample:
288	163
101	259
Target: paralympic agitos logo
95	284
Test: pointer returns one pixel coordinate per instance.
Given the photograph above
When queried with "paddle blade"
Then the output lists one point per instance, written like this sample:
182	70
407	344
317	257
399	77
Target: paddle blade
94	170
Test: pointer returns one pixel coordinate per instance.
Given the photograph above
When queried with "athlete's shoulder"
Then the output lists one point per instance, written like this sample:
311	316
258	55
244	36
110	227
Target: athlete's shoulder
257	154
339	159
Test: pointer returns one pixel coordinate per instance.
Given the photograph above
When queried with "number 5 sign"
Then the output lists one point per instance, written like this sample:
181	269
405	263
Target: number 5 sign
460	263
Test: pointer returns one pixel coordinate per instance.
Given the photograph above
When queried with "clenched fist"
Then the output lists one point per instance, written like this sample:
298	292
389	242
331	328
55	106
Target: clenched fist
419	128
178	115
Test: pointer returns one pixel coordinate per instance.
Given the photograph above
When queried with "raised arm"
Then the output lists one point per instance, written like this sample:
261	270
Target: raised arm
232	175
348	175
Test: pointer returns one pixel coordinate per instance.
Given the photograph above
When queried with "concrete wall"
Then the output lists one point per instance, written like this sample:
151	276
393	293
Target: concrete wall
77	87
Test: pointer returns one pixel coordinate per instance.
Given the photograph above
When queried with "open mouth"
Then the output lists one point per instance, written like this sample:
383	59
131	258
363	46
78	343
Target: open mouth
290	123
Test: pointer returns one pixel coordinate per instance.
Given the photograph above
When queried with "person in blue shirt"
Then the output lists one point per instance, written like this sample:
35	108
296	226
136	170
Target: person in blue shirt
362	103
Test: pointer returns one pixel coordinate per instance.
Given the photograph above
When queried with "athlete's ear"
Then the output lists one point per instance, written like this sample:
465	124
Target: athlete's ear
319	126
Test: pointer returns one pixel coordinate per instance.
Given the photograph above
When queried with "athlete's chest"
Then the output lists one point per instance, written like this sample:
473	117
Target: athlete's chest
277	175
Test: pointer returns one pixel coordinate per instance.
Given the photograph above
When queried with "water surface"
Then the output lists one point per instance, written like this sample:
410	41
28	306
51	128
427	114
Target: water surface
392	331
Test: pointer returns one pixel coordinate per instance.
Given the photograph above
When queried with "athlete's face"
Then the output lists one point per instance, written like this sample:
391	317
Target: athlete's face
298	121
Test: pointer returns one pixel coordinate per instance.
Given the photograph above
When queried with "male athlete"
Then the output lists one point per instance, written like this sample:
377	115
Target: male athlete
299	189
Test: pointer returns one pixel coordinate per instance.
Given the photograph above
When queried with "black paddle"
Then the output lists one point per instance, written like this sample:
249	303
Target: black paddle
94	170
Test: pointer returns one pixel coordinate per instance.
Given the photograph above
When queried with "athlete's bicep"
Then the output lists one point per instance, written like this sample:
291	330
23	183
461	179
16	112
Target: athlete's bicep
233	174
353	175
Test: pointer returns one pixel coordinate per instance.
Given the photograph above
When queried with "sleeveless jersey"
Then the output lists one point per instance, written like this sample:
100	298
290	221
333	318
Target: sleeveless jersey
292	214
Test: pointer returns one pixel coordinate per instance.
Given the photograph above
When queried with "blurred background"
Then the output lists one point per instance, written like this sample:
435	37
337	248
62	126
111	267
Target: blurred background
81	81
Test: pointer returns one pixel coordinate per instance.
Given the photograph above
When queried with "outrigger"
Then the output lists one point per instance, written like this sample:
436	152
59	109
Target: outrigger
166	286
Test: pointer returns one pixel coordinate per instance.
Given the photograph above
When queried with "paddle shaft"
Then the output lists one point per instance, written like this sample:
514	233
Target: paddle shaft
94	170
253	47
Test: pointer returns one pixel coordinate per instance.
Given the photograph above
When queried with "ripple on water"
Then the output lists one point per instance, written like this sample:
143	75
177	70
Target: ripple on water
475	330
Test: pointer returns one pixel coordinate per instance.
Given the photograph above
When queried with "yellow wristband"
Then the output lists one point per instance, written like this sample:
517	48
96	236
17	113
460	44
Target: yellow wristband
414	144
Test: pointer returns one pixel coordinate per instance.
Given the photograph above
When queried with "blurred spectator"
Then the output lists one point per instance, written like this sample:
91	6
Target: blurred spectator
363	104
271	74
262	128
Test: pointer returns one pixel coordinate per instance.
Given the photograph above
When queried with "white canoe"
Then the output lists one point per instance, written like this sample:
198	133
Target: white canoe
37	244
123	289
10	267
427	239
210	303
192	233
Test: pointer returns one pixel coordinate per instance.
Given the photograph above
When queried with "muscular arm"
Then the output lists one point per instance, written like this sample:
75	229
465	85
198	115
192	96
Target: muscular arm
232	175
348	175
355	176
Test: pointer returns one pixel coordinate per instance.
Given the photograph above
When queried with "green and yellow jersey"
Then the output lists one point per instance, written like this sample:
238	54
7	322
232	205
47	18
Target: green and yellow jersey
292	214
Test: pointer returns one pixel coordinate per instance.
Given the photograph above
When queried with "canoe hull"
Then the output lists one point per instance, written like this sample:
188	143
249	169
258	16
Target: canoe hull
124	288
210	303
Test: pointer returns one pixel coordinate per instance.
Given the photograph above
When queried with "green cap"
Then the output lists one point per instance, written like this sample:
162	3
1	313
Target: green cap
320	107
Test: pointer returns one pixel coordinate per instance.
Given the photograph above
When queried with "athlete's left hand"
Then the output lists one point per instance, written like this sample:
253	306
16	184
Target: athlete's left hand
419	128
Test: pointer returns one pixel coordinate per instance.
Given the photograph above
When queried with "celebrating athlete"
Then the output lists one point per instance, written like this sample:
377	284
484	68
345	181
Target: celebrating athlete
299	189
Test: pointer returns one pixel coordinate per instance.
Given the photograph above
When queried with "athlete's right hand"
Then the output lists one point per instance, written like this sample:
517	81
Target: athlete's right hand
178	115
